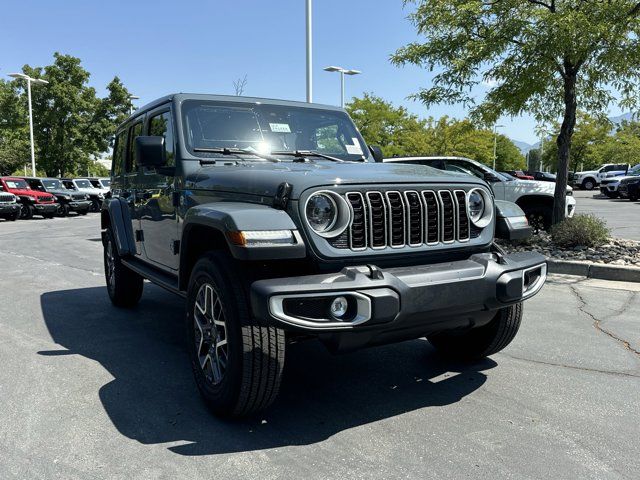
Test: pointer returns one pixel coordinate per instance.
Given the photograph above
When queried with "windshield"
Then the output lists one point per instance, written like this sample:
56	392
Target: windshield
83	184
53	184
270	128
17	184
634	172
105	183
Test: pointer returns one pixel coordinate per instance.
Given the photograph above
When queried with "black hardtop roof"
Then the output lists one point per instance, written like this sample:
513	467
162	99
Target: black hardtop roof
180	97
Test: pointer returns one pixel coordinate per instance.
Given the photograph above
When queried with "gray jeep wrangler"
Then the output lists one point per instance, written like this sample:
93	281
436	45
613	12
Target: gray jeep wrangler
276	222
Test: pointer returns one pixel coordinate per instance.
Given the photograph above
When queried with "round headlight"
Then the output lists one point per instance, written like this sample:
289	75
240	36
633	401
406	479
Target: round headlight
476	206
327	213
479	207
322	212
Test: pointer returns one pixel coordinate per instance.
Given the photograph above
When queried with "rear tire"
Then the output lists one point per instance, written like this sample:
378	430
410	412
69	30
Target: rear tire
633	198
482	341
123	285
237	364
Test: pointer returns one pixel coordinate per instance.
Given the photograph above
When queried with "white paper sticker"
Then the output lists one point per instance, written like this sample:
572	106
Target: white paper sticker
280	127
354	149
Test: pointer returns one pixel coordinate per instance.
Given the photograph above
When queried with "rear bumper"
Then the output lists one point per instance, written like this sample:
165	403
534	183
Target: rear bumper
414	300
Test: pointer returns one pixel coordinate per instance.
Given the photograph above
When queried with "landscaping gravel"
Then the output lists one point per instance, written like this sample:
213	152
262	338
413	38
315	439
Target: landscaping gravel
616	252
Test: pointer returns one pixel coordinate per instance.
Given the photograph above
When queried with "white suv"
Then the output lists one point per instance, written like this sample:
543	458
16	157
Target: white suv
534	197
590	179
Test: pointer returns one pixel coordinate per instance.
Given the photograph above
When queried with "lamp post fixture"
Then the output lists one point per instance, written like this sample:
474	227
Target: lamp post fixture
309	12
132	98
343	72
29	82
495	143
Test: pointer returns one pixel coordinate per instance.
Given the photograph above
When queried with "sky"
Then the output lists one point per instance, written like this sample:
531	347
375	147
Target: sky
162	47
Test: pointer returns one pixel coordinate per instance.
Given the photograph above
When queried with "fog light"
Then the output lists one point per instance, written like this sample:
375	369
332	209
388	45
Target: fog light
339	307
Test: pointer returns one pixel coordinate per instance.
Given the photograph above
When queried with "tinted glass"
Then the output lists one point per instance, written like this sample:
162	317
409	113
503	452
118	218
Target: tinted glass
119	150
134	132
84	184
19	184
271	128
53	184
161	126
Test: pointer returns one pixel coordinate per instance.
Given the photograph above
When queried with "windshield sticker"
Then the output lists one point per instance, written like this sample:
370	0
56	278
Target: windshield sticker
280	127
354	149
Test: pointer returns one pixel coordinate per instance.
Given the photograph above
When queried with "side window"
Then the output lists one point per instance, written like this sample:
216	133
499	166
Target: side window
161	126
134	132
119	150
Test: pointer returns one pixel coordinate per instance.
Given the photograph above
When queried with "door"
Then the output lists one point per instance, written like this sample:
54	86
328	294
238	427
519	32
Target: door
130	184
156	211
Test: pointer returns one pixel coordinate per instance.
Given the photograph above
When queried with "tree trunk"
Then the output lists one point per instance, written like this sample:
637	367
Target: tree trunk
564	147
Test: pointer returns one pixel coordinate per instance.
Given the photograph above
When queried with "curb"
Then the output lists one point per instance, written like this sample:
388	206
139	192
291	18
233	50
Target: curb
594	270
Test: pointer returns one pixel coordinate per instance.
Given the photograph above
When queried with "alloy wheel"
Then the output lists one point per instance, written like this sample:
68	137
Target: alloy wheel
210	334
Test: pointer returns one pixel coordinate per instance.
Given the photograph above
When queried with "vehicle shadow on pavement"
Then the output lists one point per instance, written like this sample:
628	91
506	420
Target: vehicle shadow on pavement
153	399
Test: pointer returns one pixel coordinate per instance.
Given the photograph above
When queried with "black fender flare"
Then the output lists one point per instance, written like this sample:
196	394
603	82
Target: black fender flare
225	217
511	221
115	213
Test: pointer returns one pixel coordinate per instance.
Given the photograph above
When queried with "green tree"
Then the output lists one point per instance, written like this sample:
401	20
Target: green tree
545	57
71	123
394	129
14	129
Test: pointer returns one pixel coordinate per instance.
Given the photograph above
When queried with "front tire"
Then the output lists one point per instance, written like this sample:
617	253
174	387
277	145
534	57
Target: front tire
237	364
588	184
540	218
123	285
26	212
482	341
95	205
63	210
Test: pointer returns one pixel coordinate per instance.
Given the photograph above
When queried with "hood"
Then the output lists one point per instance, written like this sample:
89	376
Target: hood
536	186
263	179
32	193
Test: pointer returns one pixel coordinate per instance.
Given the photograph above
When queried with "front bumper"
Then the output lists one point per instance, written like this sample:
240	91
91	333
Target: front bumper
79	206
414	300
45	208
9	208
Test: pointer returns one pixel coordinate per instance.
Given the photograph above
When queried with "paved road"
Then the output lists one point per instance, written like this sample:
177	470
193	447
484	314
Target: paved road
90	391
622	216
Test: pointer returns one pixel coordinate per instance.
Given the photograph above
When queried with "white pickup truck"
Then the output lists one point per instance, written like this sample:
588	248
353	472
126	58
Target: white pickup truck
590	179
534	197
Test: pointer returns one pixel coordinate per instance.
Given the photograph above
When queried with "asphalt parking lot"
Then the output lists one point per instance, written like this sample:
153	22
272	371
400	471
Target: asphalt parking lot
90	391
620	214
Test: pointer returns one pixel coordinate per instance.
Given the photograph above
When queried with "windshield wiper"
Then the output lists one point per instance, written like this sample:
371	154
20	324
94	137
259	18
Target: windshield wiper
237	152
308	153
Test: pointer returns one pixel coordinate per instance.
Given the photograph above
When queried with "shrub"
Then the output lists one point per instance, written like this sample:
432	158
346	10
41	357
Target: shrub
581	230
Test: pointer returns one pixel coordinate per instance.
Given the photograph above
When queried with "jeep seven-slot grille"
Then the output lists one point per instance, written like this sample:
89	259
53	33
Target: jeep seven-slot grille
4	198
396	219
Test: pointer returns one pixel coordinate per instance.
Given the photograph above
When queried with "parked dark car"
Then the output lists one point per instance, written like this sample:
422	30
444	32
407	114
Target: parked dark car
544	176
275	224
68	200
519	174
630	188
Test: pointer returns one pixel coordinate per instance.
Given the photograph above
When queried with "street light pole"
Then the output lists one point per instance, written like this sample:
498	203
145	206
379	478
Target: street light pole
495	144
342	72
309	52
29	81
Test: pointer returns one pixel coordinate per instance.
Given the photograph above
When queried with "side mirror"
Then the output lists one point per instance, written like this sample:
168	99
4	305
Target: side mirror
377	153
490	177
150	152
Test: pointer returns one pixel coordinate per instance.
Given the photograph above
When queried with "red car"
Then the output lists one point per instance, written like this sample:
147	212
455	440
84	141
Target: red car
519	174
33	202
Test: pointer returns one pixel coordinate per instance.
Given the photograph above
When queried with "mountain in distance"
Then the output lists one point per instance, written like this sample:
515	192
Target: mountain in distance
617	120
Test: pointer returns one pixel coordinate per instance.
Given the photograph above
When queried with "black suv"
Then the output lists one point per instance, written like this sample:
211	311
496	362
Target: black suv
68	200
275	223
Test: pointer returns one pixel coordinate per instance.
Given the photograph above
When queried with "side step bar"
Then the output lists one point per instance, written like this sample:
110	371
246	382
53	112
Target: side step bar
162	279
